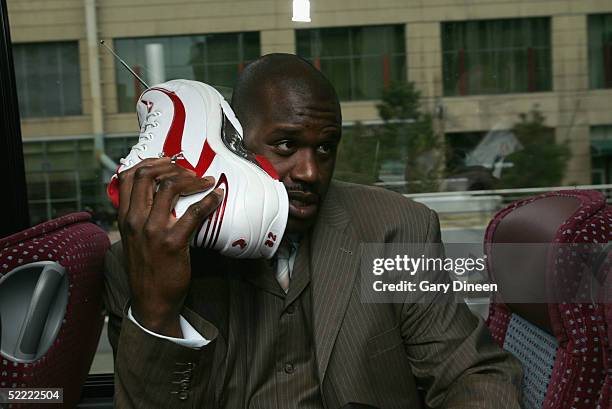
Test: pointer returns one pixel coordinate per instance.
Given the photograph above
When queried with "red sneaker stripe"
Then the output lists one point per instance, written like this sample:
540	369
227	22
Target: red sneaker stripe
209	220
267	166
112	191
206	157
221	209
174	138
173	144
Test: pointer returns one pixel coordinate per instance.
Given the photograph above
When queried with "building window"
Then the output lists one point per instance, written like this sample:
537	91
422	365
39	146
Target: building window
118	147
216	59
359	61
600	50
496	56
48	79
62	177
601	154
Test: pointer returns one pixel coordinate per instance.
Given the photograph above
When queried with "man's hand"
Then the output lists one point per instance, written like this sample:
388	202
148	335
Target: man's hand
156	243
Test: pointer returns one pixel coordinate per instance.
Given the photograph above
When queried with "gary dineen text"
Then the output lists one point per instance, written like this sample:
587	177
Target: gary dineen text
411	265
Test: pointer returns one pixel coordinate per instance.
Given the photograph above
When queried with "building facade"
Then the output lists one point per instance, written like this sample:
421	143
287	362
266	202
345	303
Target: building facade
478	64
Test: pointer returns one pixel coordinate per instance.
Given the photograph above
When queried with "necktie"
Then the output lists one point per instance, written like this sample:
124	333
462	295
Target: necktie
283	254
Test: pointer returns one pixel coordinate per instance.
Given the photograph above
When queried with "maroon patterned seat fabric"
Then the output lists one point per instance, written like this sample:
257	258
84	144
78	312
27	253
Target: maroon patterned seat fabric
581	372
79	246
606	396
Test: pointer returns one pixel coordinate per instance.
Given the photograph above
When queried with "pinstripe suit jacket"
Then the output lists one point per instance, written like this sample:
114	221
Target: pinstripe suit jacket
370	353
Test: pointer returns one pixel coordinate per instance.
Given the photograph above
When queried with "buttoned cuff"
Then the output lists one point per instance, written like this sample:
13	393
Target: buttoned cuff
191	337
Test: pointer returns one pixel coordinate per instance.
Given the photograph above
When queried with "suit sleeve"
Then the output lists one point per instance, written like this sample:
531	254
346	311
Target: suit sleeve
152	372
453	355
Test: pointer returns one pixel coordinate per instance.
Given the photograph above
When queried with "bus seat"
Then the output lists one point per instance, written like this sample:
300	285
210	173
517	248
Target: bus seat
606	396
564	346
51	285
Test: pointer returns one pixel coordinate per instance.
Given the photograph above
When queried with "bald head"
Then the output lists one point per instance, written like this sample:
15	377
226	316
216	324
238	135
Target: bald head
274	74
291	116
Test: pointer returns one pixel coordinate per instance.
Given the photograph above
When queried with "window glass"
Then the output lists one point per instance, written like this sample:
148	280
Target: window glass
459	145
62	178
600	50
358	154
496	56
359	61
601	154
463	106
117	147
212	58
48	78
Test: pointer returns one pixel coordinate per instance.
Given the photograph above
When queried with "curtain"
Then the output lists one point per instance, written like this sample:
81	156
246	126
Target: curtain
359	61
496	56
48	79
600	50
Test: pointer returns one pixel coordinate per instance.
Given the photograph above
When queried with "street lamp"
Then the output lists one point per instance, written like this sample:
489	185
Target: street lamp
301	11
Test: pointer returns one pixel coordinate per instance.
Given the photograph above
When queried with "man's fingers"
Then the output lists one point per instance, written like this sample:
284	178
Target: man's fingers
143	192
169	191
196	213
126	180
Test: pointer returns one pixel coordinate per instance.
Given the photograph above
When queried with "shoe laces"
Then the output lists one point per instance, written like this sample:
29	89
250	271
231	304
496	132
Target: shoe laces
144	138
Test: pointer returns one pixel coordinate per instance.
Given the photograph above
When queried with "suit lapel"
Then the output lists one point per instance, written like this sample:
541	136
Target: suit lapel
334	263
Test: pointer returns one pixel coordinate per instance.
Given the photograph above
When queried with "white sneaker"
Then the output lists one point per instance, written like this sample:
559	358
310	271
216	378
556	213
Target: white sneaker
191	121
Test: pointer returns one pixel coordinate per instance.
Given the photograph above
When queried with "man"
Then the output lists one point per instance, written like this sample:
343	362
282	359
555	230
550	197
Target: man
199	330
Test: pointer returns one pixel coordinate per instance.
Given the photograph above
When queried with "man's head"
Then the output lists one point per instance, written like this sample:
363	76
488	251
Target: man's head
291	115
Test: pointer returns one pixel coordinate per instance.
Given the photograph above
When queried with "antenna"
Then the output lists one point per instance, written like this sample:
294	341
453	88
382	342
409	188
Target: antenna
103	44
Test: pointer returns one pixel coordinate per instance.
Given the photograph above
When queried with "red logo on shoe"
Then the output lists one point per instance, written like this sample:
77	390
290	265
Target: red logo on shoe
148	104
214	221
240	242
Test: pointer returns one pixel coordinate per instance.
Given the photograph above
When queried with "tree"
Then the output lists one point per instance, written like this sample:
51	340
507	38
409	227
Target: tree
407	135
542	161
356	156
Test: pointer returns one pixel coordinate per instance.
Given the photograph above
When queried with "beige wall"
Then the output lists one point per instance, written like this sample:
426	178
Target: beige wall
571	107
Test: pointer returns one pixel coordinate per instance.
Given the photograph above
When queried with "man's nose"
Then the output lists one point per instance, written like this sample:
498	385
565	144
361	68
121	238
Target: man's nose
305	169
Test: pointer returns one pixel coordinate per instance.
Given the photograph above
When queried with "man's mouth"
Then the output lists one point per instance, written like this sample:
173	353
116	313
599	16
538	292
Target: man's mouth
303	205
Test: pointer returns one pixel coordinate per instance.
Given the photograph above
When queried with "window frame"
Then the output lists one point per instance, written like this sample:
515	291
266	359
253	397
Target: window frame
139	61
65	77
11	141
314	38
605	80
459	87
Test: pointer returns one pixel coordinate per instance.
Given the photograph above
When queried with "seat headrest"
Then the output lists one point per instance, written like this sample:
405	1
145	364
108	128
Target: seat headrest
536	221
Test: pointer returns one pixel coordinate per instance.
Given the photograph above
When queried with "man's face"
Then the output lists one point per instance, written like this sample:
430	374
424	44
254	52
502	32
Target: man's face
298	132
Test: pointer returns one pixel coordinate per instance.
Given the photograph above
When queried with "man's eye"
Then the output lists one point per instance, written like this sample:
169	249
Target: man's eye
285	147
326	148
